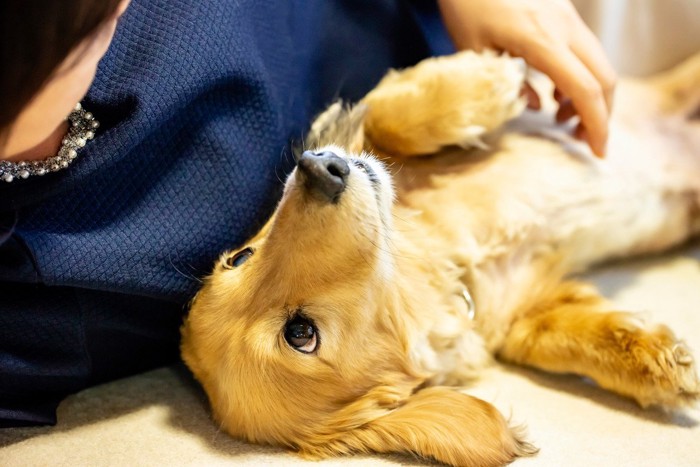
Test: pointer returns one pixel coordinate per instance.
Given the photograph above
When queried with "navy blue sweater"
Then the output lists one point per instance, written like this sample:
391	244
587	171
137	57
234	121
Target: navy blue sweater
199	102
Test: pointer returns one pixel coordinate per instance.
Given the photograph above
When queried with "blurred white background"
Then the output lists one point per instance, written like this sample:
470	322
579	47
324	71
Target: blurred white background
644	36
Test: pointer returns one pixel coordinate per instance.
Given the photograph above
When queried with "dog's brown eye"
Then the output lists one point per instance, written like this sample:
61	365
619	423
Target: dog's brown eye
301	334
239	258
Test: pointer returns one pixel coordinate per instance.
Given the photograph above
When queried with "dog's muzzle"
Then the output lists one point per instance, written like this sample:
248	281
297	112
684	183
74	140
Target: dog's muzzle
325	174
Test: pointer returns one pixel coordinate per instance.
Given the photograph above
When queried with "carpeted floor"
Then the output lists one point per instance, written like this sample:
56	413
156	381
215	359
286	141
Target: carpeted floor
161	418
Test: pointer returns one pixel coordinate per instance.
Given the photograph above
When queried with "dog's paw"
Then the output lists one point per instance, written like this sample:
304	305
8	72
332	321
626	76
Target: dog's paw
677	385
658	370
444	101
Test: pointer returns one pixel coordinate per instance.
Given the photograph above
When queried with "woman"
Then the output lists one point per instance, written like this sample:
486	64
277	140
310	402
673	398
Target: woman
196	103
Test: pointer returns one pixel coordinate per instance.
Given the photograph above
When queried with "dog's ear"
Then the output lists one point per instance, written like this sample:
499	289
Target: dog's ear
339	125
442	424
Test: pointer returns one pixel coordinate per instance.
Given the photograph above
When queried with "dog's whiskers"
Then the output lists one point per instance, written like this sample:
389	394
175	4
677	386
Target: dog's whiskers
184	274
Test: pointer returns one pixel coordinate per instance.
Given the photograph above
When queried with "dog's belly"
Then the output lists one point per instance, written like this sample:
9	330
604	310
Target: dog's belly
529	208
530	192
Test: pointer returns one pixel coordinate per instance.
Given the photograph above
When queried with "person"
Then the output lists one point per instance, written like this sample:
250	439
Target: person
110	218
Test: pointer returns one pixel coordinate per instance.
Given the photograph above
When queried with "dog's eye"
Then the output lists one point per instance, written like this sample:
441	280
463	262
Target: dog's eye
239	258
301	334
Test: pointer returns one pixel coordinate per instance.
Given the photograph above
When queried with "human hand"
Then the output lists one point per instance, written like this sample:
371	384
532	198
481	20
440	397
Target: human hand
550	36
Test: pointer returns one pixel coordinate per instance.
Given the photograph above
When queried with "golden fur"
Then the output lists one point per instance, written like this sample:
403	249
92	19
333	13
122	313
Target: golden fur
382	273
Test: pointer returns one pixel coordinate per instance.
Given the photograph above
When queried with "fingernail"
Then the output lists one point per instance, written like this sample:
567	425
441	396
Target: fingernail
598	149
602	151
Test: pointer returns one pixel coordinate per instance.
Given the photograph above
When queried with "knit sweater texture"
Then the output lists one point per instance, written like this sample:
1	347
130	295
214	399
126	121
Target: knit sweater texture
200	102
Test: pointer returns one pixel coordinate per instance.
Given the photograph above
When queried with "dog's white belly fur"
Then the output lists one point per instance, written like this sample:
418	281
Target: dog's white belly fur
539	208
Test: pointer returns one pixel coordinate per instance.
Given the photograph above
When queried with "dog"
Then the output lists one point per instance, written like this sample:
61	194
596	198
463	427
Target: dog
431	228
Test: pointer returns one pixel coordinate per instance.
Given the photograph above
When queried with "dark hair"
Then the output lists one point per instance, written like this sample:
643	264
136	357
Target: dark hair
35	37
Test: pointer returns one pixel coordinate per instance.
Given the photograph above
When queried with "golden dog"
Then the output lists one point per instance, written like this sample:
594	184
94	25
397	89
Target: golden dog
339	327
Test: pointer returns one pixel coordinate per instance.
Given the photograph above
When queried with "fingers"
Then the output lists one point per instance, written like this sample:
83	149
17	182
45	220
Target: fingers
575	80
552	37
588	49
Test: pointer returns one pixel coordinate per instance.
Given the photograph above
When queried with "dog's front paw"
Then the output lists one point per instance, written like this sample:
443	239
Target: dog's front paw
443	101
678	385
573	333
658	370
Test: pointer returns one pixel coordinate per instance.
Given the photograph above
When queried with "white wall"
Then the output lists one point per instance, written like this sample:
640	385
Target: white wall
644	36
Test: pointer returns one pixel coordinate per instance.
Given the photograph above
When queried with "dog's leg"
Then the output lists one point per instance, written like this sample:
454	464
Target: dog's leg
574	331
680	88
441	102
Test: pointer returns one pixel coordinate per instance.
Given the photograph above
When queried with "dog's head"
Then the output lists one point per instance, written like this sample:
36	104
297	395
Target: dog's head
300	338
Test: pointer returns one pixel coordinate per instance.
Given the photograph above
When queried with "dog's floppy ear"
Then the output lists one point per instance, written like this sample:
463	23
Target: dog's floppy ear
442	424
339	125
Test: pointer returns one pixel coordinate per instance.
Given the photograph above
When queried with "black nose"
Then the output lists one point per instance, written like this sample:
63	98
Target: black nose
325	174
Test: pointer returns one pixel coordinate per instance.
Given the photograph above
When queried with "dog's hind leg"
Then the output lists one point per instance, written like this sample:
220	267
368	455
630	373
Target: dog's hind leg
680	88
574	331
441	102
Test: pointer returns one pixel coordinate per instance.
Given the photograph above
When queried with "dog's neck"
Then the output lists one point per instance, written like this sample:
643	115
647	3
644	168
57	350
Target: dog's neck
428	289
433	270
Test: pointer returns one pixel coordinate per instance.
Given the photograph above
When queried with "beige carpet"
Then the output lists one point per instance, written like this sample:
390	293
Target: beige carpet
160	417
